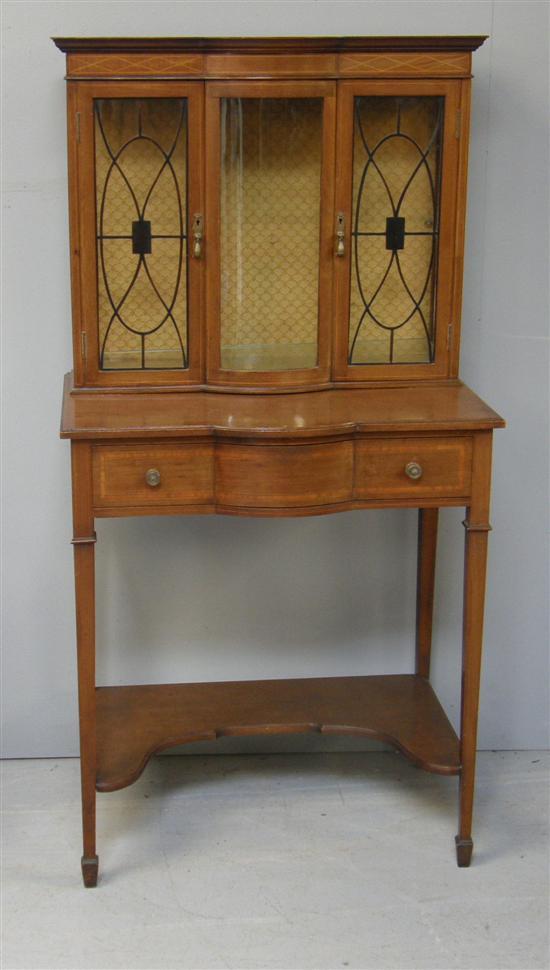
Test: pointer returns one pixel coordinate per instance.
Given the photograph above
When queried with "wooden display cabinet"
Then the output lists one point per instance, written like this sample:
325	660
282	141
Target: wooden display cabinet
266	250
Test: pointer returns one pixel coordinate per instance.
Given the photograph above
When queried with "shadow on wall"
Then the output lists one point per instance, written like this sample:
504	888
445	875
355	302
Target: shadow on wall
224	599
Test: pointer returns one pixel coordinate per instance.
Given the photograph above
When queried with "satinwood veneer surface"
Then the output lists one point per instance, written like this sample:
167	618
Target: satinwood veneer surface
402	709
142	414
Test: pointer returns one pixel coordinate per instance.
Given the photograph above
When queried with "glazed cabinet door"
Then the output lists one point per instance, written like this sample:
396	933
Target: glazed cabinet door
269	198
398	274
136	225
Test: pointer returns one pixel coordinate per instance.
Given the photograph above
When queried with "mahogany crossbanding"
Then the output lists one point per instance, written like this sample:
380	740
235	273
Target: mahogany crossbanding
402	709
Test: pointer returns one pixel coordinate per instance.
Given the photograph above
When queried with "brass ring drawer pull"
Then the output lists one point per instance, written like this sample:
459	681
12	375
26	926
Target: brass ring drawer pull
413	470
152	477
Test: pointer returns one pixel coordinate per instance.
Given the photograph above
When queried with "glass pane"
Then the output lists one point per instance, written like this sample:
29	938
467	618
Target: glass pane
141	187
395	214
271	152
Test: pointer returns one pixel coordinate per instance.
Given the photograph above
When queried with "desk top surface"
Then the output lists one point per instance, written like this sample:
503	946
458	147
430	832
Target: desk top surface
93	414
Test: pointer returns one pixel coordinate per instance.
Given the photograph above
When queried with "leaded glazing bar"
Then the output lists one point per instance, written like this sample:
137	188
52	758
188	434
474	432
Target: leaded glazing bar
141	188
395	229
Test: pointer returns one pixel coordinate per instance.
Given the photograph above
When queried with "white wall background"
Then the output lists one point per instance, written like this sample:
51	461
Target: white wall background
218	598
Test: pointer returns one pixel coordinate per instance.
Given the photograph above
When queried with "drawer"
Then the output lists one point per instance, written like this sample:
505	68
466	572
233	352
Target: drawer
120	475
284	476
384	467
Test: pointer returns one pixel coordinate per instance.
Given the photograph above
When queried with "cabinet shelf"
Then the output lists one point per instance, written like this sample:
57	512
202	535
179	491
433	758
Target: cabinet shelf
133	723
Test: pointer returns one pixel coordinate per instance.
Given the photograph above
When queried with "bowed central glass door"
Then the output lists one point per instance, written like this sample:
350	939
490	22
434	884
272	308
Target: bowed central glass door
272	169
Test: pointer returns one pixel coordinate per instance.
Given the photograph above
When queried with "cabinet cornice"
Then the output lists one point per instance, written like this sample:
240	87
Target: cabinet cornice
263	45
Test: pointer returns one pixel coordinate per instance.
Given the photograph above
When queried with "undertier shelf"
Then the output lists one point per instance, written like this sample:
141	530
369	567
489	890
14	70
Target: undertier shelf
135	722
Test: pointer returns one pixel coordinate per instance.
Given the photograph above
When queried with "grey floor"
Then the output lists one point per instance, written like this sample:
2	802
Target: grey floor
285	861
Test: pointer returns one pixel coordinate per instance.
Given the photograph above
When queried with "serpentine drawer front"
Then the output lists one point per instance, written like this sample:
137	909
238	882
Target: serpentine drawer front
252	475
279	476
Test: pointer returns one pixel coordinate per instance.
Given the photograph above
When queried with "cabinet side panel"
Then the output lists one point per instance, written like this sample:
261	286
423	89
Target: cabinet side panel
463	129
73	132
